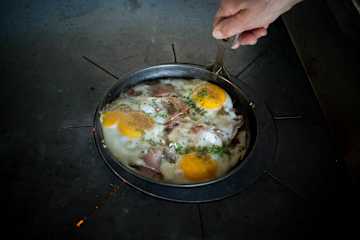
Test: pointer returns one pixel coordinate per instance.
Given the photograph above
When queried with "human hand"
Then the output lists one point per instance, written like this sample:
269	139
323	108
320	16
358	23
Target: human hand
248	18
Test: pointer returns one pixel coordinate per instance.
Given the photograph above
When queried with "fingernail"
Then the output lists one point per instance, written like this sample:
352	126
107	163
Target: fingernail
253	42
235	45
217	34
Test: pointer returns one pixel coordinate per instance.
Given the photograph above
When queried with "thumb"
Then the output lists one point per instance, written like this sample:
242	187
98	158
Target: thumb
230	26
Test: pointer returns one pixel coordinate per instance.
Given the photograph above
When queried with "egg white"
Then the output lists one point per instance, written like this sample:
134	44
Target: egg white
154	108
126	149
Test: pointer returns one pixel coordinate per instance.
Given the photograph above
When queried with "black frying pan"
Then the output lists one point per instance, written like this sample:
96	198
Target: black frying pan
258	122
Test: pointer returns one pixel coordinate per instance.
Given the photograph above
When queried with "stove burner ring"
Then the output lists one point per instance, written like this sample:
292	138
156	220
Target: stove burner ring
260	152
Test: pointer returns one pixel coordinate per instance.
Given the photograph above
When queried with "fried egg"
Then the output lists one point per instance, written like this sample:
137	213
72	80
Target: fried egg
211	98
123	132
194	167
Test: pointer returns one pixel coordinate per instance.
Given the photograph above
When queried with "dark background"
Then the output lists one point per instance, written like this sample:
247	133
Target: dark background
53	176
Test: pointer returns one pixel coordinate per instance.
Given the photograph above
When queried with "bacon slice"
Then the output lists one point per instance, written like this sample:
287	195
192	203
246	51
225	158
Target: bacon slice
153	158
148	172
131	92
197	128
162	90
175	105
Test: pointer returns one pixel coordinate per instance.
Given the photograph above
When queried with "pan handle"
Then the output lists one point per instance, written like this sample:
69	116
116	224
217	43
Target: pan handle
218	66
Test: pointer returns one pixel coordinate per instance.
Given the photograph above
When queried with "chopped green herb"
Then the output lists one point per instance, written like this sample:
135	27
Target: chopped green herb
178	148
188	101
154	104
214	149
203	93
194	118
134	101
162	114
152	142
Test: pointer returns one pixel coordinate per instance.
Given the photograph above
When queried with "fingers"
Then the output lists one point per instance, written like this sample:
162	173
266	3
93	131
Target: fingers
250	37
237	17
228	8
246	38
230	26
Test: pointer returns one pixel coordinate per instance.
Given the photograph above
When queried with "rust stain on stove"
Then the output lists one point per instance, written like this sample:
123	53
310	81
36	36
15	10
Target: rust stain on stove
79	223
101	203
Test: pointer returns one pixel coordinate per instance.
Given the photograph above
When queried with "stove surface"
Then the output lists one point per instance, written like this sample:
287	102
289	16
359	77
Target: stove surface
57	187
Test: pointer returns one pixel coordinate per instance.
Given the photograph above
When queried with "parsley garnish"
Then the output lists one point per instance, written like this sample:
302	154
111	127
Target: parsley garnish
188	101
162	114
213	149
203	93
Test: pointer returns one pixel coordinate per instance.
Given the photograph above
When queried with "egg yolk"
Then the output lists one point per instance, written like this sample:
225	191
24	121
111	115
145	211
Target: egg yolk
129	124
198	167
209	96
110	118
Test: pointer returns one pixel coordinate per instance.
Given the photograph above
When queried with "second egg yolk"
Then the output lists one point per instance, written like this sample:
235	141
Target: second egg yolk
198	167
129	124
209	96
110	118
